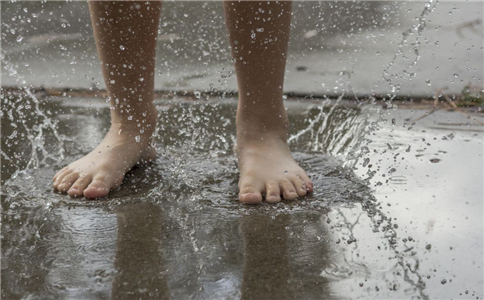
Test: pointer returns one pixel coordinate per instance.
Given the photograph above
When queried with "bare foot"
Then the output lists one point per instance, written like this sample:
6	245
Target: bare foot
267	168
102	170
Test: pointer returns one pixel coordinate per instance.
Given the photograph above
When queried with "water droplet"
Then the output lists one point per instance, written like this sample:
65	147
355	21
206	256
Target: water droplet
137	138
428	82
443	281
130	118
19	38
121	47
260	29
112	81
141	79
456	75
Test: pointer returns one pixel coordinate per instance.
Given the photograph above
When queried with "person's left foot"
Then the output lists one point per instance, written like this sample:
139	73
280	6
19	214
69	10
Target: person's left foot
267	168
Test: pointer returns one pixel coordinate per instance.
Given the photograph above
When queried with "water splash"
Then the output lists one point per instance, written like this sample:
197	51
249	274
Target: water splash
416	30
46	144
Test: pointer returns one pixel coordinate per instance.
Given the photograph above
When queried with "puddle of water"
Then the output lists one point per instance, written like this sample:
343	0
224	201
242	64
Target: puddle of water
176	230
196	230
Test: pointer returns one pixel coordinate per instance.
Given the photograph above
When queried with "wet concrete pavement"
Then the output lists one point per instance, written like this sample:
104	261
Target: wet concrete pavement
396	212
363	48
398	207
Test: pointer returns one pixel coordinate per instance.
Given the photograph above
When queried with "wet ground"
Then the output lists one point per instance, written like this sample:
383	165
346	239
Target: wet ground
397	210
398	207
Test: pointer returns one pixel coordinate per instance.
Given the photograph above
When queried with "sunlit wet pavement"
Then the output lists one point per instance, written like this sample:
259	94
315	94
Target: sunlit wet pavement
175	229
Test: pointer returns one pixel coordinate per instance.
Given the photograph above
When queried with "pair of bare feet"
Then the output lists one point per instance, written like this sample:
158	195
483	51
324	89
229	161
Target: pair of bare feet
267	169
126	33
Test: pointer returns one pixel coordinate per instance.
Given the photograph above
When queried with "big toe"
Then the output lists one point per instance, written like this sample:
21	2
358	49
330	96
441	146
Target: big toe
97	189
249	194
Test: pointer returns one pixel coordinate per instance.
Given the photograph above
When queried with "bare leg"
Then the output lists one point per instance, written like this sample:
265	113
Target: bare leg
125	35
259	35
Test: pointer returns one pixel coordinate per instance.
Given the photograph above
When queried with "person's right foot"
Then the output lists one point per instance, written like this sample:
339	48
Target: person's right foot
102	170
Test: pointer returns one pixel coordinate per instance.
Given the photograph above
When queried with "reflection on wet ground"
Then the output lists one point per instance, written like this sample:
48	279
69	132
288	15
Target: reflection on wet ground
384	220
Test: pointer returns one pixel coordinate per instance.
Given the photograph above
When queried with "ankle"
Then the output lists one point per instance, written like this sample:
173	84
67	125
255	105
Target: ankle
274	123
250	135
142	120
140	130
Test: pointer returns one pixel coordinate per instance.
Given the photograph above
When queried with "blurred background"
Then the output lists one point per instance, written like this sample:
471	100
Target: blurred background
409	48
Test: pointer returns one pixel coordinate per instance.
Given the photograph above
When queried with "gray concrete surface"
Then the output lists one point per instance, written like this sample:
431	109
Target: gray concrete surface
397	212
402	221
352	47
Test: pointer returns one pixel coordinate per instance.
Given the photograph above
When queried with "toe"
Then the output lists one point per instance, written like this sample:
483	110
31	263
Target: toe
299	186
67	181
308	182
97	189
273	193
249	193
59	173
101	185
288	190
79	186
250	196
60	176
